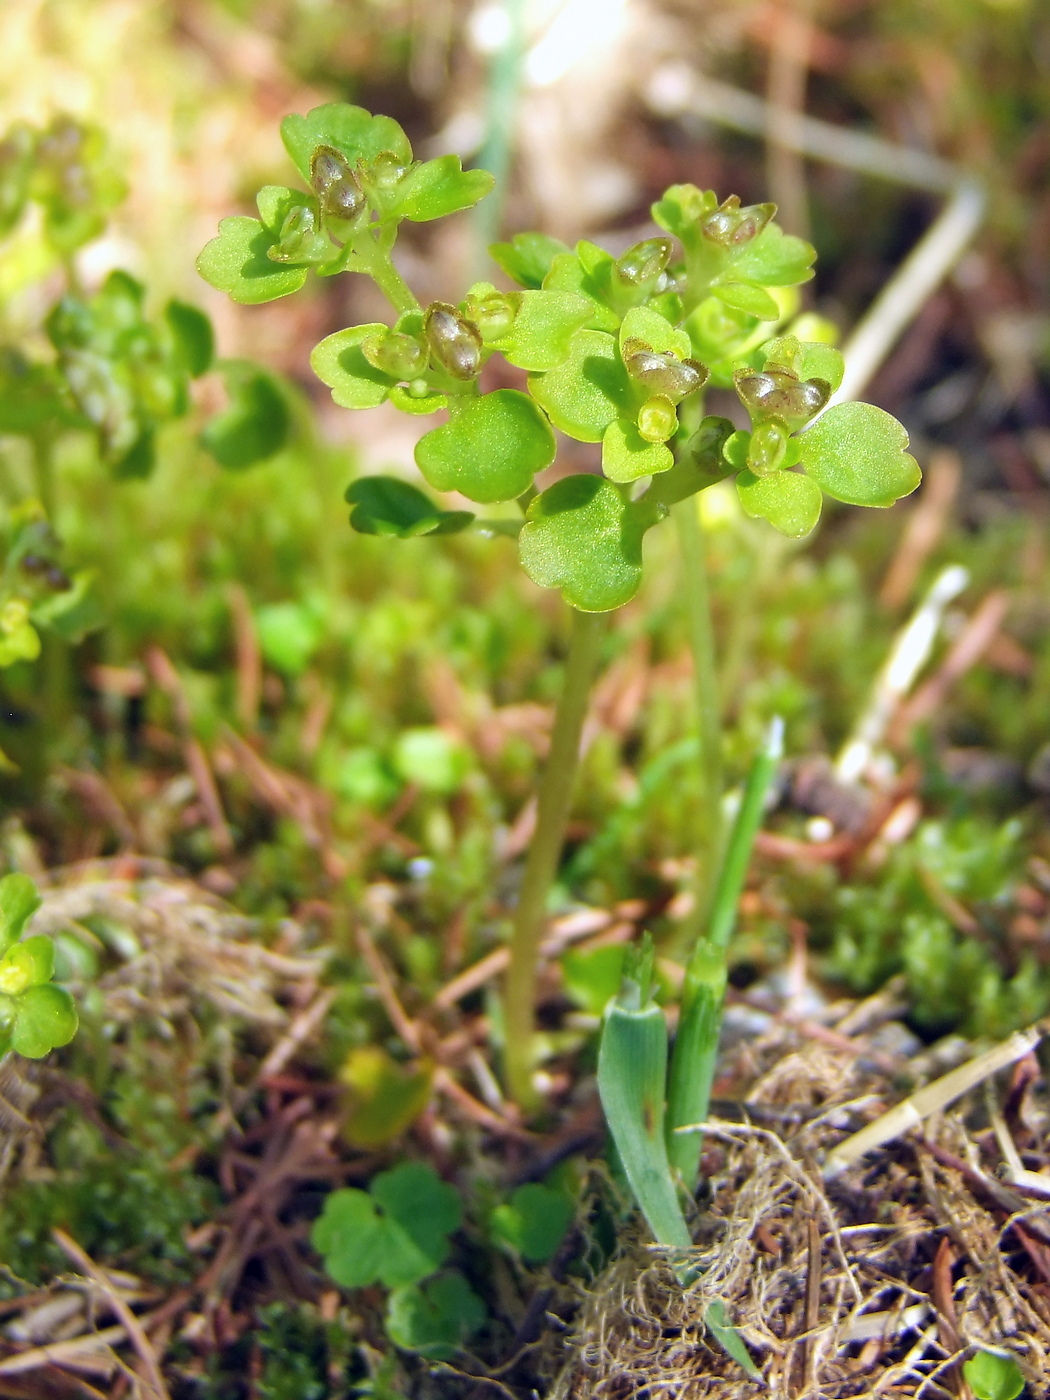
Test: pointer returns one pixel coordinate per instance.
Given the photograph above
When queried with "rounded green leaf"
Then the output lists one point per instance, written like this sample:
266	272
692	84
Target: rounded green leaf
256	423
46	1017
541	335
339	362
775	259
490	449
435	1318
790	502
439	187
426	1208
855	452
582	536
236	263
402	398
569	273
385	505
626	456
642	323
356	133
588	390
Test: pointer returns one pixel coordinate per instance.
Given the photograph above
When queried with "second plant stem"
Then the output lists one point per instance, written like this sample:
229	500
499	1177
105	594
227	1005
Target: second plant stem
552	815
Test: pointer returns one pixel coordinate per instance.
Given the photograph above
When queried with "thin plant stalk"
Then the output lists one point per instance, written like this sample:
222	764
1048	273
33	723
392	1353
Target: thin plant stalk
552	815
708	708
700	1017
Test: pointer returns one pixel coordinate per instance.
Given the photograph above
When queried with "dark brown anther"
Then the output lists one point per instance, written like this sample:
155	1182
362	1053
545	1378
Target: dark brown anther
335	184
455	343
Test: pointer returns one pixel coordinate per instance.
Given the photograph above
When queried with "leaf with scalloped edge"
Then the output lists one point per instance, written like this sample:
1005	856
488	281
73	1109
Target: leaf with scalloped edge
540	337
527	258
236	263
581	536
490	448
356	133
588	390
441	186
790	502
339	362
645	324
855	452
747	297
626	456
774	259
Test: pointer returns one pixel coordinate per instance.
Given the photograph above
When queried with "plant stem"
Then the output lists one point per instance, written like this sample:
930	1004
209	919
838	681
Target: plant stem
380	267
552	815
700	1017
708	708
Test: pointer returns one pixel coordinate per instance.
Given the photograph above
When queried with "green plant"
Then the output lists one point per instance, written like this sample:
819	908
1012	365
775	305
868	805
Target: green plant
993	1375
35	1015
617	352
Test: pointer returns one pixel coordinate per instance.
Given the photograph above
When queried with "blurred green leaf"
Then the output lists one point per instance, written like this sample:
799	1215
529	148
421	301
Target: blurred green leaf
289	635
592	976
431	759
385	505
356	133
236	262
490	449
533	1222
581	536
747	297
527	258
436	1318
256	423
993	1376
439	187
193	337
45	1019
588	390
855	452
790	502
385	1097
73	612
728	1338
19	900
27	964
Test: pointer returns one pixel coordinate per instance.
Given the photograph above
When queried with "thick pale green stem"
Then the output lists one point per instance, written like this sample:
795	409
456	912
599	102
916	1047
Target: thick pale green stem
700	1016
708	708
379	265
552	815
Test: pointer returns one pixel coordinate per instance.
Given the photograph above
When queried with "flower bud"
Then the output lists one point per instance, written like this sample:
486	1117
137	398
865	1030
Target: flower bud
643	264
731	226
661	372
657	420
705	446
400	356
300	239
493	314
777	393
767	449
335	184
455	343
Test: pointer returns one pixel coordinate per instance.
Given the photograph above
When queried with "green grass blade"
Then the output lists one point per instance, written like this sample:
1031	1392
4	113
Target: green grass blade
632	1073
696	1045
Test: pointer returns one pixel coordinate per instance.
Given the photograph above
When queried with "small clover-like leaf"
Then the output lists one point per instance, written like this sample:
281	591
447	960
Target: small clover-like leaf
527	258
193	339
540	337
790	502
27	964
747	297
19	900
385	505
774	259
644	324
441	186
45	1018
386	1097
991	1375
588	390
533	1222
237	263
73	612
435	1319
570	273
490	449
581	536
256	423
855	452
354	132
627	456
426	1208
339	362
